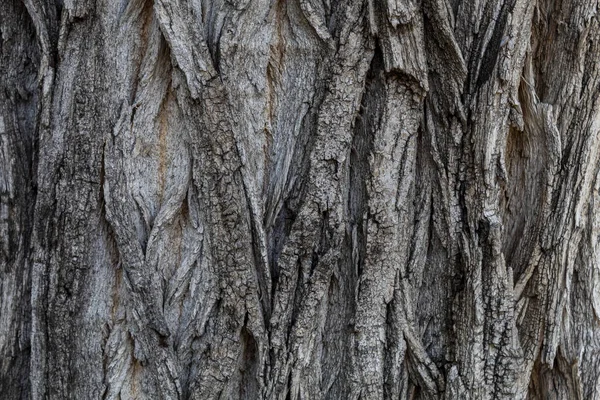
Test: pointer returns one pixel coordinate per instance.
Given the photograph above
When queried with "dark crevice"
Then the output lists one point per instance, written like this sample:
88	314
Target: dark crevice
490	55
249	388
261	272
295	186
482	66
279	232
524	193
19	107
394	337
333	338
213	30
365	124
326	235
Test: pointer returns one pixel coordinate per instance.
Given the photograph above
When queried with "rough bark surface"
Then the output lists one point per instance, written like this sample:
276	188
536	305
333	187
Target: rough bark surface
300	199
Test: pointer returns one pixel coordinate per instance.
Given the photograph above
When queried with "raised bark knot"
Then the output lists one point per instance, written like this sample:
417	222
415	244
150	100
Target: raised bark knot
490	229
401	12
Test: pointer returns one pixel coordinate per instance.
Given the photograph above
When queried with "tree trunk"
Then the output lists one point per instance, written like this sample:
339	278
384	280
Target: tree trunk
303	199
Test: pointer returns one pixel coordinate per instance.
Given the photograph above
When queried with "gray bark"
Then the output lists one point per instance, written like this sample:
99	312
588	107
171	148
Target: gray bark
303	199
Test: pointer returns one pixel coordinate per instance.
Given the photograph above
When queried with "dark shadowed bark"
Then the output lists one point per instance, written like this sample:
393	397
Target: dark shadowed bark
299	199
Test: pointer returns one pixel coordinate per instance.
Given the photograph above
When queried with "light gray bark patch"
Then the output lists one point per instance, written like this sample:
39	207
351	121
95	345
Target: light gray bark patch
314	11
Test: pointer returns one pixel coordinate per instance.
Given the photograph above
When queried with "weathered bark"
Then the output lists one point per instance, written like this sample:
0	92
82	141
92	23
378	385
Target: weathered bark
304	199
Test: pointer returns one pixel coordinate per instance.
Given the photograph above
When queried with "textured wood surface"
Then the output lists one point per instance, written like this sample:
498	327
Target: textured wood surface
299	199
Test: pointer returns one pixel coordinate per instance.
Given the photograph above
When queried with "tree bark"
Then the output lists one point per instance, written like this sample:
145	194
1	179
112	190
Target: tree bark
303	199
